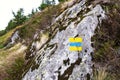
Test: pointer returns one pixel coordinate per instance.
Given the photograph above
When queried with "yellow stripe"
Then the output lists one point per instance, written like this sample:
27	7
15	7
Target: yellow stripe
79	48
71	40
75	48
77	39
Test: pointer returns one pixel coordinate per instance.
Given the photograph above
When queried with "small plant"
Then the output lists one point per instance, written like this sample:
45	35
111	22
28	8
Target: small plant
102	74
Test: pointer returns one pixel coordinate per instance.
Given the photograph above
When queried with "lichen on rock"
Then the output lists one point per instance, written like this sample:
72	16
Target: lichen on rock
54	60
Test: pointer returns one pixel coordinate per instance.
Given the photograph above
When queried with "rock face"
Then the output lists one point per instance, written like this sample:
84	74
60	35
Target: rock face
52	56
13	39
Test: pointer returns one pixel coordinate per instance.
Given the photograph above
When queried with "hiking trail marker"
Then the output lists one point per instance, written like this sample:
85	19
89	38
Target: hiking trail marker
75	44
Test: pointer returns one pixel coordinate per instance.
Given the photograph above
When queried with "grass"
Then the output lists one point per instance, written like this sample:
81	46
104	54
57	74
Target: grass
7	56
1	46
11	59
40	21
107	41
102	74
5	38
104	51
15	71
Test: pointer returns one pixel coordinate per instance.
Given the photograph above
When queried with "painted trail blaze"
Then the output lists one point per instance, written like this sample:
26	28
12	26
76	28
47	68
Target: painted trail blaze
75	44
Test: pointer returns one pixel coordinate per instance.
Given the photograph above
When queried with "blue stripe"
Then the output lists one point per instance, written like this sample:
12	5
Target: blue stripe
76	44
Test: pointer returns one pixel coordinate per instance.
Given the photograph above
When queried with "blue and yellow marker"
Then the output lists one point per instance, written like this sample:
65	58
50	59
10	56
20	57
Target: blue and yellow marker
75	44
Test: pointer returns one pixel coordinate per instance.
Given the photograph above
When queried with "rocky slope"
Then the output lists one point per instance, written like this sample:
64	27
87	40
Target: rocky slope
52	57
46	41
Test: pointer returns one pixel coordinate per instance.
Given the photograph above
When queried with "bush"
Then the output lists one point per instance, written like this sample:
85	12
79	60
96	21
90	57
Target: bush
2	32
62	0
43	6
19	19
11	25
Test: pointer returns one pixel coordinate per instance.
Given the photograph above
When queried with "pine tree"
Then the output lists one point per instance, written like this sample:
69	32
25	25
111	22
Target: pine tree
19	17
46	3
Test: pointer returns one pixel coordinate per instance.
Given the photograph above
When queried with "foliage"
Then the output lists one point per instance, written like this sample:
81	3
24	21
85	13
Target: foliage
46	3
43	6
2	32
32	13
19	19
11	25
39	21
4	39
61	0
8	58
107	40
50	2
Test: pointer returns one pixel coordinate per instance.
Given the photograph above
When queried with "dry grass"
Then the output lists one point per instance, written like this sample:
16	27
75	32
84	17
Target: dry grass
101	74
5	38
107	41
8	57
40	21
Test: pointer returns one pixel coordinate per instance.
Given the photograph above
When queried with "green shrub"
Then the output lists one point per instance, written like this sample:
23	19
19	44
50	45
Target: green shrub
19	19
43	6
62	0
2	32
11	25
